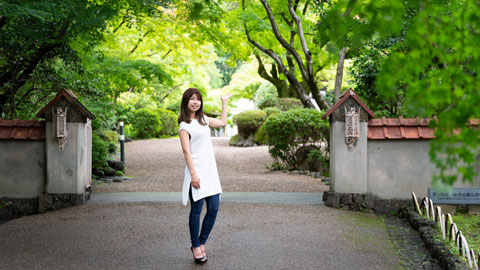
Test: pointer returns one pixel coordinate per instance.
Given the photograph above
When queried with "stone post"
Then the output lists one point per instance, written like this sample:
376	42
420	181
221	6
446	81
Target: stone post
348	167
68	158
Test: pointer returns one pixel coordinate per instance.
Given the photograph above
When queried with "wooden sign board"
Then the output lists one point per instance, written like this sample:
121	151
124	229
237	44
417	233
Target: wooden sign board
469	196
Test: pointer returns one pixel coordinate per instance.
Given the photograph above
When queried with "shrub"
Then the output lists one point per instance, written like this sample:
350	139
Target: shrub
233	140
111	138
260	136
99	151
168	121
286	104
266	96
271	110
249	121
146	124
290	130
111	135
128	131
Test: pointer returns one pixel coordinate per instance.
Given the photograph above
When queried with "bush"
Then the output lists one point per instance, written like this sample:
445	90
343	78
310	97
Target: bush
260	136
169	123
111	135
266	96
286	104
271	110
233	140
111	138
249	121
146	124
128	131
99	151
288	131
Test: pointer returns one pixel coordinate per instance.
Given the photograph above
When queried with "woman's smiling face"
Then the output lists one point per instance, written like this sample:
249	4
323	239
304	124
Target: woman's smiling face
194	103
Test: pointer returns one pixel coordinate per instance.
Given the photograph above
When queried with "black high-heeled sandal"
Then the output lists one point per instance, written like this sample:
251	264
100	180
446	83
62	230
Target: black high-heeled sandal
201	260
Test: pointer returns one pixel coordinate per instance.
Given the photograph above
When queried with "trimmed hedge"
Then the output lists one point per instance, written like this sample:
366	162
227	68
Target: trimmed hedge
249	121
286	104
288	131
271	110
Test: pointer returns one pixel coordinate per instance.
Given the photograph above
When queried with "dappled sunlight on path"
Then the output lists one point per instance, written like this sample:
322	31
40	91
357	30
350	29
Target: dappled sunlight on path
158	166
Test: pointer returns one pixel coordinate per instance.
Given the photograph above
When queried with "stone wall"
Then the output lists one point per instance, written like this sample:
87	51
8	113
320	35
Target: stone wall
396	168
22	169
363	202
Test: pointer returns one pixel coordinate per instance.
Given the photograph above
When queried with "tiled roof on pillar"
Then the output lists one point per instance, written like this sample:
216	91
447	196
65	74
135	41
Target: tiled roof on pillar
343	98
72	98
22	130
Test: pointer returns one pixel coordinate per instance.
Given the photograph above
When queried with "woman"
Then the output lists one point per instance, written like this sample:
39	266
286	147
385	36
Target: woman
201	181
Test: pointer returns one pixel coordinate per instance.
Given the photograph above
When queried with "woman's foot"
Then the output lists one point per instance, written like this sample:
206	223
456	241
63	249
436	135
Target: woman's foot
198	256
204	253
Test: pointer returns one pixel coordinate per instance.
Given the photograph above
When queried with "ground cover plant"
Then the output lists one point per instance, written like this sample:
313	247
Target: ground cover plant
470	227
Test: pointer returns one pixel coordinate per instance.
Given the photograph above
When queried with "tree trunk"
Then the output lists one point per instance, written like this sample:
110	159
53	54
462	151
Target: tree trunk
339	76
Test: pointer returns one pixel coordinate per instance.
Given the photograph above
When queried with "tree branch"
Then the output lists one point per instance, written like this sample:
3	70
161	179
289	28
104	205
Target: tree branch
140	41
282	41
170	91
124	20
169	50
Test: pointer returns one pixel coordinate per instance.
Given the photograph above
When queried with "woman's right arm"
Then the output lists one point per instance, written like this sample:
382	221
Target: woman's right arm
185	141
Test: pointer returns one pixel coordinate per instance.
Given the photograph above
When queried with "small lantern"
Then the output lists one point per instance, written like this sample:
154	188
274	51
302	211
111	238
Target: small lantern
352	127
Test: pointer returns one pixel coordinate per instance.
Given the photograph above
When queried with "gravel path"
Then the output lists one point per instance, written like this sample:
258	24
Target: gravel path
158	166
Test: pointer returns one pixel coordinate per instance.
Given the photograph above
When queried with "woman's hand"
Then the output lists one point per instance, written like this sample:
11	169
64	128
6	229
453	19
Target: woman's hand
226	97
195	181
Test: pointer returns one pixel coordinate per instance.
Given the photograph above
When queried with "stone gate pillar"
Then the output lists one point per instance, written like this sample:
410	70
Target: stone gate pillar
68	148
348	144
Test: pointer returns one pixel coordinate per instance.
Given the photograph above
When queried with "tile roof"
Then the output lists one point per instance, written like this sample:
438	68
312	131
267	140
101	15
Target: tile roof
22	130
404	128
343	98
400	128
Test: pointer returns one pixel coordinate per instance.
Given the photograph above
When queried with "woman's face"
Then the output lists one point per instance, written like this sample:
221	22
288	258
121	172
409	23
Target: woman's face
194	103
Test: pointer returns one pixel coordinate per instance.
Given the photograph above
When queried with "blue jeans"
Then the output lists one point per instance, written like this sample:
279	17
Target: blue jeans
208	221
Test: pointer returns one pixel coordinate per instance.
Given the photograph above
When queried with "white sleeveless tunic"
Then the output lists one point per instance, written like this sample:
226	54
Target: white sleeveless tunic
201	149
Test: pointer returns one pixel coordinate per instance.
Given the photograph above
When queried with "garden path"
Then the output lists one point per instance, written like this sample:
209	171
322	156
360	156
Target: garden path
158	166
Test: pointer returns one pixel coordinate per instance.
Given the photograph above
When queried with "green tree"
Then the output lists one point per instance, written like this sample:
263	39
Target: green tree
440	71
38	37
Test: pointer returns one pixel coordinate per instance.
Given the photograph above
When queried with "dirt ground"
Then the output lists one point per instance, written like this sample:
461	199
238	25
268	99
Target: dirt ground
158	166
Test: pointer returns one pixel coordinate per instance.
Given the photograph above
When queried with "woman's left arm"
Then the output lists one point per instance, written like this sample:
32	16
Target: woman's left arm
215	123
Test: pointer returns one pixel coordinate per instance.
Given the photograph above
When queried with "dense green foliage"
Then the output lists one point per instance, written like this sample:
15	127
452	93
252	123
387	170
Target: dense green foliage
260	136
286	104
99	151
168	121
271	110
470	226
440	71
249	121
146	124
266	96
288	131
233	140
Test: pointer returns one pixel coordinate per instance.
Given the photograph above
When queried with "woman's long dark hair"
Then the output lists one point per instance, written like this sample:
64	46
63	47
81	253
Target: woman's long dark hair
184	115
